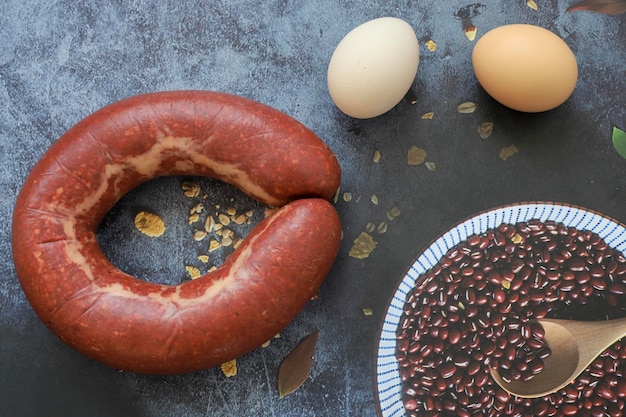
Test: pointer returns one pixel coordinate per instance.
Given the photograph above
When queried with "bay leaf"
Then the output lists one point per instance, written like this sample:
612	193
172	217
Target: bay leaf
600	6
296	366
619	141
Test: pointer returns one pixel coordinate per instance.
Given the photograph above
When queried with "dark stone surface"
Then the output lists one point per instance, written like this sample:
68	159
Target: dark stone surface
61	60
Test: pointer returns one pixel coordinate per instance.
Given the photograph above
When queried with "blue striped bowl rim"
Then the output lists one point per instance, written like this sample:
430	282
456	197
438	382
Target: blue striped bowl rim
387	376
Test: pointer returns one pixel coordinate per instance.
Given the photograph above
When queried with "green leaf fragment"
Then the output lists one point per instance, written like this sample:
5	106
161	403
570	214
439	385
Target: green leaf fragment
619	141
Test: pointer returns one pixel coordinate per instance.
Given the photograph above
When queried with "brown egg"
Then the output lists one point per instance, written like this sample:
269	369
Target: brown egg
525	67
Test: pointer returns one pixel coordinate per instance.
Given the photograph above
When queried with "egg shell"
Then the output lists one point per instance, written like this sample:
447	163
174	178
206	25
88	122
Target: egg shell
525	67
373	67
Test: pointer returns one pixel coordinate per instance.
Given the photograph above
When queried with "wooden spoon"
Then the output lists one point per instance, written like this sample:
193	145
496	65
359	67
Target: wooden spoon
574	345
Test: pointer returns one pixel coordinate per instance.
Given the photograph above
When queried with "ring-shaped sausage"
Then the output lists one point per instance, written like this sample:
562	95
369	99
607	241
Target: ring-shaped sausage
145	327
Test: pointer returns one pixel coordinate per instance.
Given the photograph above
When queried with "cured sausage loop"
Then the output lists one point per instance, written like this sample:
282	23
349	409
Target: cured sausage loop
139	326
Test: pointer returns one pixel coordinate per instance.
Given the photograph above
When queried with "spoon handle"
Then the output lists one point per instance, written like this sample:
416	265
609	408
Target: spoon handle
594	337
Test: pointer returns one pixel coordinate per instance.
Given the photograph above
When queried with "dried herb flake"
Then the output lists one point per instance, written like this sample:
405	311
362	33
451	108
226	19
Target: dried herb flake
416	155
362	246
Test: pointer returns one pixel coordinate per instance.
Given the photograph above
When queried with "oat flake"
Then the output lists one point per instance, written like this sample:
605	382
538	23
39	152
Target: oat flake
224	219
229	368
149	224
214	245
191	189
485	130
198	235
197	209
193	272
467	107
393	213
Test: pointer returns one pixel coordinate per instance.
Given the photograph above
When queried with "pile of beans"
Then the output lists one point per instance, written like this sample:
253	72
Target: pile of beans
474	310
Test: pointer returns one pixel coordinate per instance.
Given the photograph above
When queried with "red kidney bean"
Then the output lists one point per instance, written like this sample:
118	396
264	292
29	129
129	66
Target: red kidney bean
612	300
535	343
575	265
525	273
517	265
620	389
454	336
610	365
494	277
613	410
508	275
499	295
583	277
596	271
605	391
410	403
617	288
568	275
540	408
537	331
456	379
569	409
570	394
499	238
481	379
544	352
447	370
432	286
440	384
473	368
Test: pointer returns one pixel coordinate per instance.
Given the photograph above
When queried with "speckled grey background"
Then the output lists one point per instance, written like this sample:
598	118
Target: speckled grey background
60	60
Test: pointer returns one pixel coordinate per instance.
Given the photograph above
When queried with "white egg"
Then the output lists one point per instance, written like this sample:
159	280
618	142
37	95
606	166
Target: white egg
373	67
